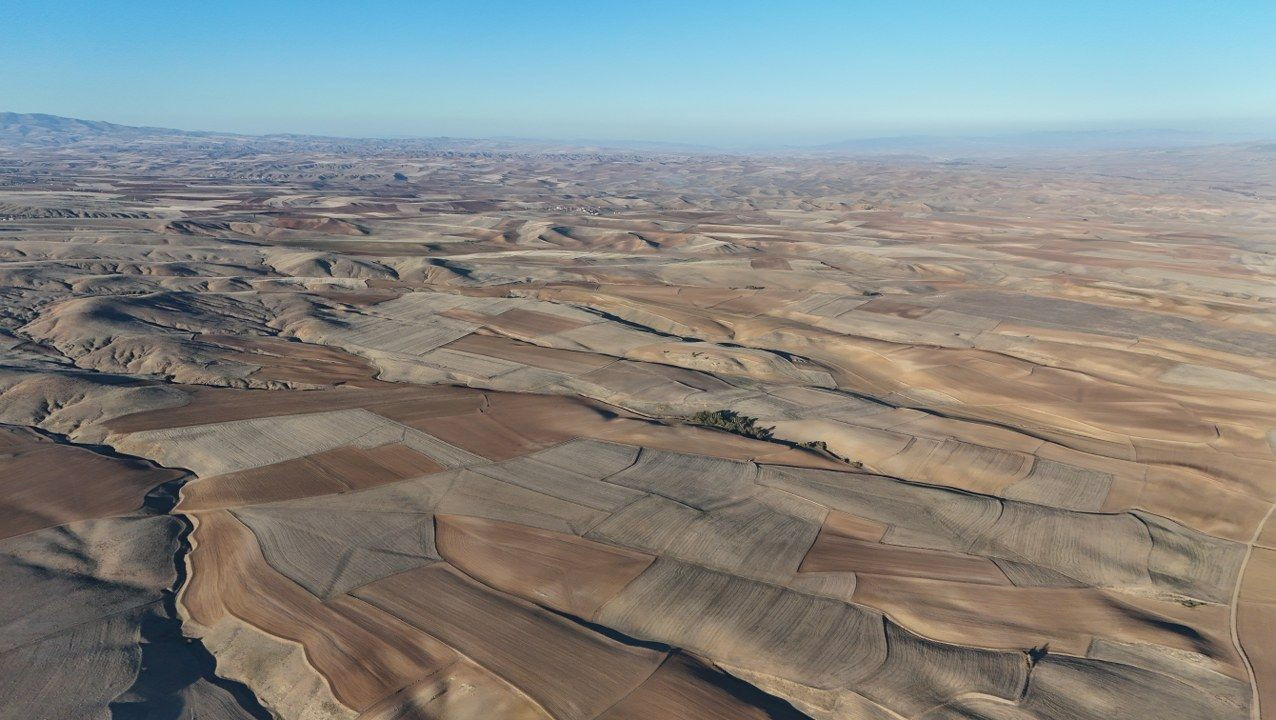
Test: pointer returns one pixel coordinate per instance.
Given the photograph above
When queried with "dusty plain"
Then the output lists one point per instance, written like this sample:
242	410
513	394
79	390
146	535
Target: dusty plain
382	430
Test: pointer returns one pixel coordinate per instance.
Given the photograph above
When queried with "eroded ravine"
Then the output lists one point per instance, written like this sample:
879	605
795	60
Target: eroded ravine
171	663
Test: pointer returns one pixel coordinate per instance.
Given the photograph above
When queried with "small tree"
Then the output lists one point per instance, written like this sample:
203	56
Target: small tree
1037	654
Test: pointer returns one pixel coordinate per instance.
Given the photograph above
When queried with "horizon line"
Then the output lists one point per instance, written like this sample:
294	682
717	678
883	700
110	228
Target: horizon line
1088	129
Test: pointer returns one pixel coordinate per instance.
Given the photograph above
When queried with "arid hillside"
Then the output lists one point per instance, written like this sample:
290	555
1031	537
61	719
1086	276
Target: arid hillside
378	430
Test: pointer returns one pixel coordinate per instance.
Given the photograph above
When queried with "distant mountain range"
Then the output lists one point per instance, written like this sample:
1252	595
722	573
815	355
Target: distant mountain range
41	131
38	130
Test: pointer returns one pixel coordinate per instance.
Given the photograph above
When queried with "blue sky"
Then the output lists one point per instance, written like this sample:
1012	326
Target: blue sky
714	71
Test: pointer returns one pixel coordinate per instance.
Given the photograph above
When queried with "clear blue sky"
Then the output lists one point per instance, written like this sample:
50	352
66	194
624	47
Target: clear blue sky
721	70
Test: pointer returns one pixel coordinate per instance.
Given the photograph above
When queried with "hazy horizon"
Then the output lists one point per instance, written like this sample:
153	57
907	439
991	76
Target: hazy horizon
1085	136
719	74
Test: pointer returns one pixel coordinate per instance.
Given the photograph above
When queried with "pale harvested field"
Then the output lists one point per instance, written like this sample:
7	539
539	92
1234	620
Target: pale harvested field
286	434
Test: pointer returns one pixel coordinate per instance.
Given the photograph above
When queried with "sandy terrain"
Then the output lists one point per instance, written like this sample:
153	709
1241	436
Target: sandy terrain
394	431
